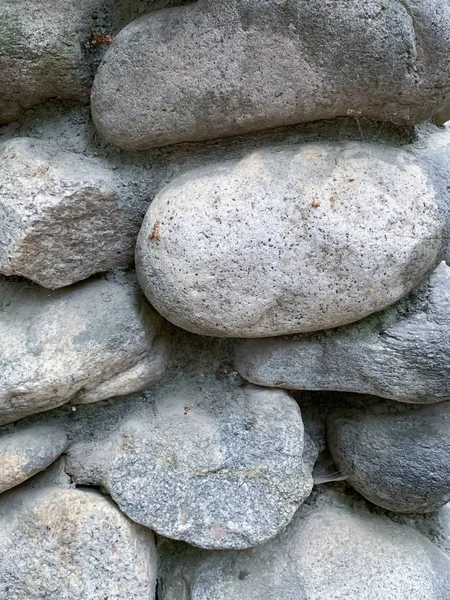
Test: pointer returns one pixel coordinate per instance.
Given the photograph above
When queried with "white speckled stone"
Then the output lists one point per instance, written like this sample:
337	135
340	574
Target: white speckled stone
292	239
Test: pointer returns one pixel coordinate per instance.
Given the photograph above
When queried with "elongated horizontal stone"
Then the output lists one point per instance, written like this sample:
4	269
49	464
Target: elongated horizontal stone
402	353
224	67
293	239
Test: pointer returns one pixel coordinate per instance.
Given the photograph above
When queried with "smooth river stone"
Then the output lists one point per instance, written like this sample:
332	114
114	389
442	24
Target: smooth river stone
220	68
292	239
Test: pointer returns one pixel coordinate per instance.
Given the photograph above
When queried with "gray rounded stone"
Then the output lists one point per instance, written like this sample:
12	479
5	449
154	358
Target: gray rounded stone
85	343
205	461
402	353
397	457
62	543
28	451
292	239
331	551
219	68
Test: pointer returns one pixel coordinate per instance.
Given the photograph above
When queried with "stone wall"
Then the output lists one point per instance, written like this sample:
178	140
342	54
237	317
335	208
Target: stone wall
224	300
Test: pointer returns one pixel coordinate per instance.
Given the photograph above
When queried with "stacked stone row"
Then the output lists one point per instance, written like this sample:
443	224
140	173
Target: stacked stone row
239	343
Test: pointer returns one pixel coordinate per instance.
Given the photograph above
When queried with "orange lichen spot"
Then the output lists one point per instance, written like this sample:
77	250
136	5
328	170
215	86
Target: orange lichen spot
99	39
154	235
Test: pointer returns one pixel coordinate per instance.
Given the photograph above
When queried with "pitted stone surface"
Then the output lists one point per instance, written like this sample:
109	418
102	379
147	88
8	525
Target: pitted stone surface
225	67
63	216
397	457
292	239
330	551
402	353
62	543
46	48
211	463
27	452
85	343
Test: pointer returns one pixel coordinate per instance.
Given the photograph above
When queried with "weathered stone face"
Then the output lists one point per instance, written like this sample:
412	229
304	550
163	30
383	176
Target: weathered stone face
62	543
211	463
83	344
50	48
217	68
397	459
42	54
64	216
402	353
332	549
28	451
291	239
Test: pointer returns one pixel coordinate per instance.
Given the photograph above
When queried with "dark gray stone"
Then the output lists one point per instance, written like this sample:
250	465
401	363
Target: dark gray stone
397	457
402	353
204	460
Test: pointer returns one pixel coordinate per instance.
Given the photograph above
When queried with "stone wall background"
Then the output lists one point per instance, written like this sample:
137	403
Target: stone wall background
224	300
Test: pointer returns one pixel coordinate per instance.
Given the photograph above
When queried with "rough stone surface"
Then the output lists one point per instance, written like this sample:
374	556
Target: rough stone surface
330	551
397	457
402	353
42	53
63	216
225	67
46	50
292	239
205	461
61	543
85	343
27	452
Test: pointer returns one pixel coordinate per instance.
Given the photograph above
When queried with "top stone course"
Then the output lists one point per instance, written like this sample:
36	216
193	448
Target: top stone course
218	68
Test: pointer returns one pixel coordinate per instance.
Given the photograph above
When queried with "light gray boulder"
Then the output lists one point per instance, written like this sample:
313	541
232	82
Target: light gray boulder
330	551
82	344
204	460
28	451
63	216
62	543
293	239
397	457
402	353
225	67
